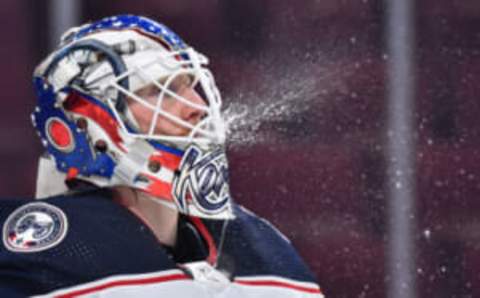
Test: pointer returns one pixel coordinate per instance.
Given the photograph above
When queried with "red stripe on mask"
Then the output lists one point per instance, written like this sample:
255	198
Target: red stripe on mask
78	104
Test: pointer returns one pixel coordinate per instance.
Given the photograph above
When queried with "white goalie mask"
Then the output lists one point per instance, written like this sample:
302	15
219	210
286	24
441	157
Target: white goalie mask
160	70
124	101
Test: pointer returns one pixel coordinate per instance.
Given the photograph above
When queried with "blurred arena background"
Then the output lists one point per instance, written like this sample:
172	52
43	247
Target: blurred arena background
314	78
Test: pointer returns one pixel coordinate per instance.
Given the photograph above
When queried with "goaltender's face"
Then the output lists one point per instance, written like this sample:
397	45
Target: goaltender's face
182	86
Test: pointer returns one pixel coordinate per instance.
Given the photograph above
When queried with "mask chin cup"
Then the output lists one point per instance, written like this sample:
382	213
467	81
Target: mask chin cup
201	186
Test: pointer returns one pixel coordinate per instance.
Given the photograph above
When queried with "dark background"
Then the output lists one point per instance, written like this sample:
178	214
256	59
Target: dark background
316	165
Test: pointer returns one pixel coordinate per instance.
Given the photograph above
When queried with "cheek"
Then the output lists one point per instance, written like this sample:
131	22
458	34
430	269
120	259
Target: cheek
143	116
167	126
171	106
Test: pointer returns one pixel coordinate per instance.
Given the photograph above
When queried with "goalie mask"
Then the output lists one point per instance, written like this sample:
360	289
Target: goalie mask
124	101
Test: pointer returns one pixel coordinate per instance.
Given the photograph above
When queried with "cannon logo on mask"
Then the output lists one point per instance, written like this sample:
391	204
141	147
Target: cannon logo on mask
203	181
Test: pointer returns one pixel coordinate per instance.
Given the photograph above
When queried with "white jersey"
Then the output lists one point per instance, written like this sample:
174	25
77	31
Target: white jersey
175	283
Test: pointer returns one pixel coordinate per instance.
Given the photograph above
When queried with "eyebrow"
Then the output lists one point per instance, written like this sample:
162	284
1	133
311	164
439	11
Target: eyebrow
174	86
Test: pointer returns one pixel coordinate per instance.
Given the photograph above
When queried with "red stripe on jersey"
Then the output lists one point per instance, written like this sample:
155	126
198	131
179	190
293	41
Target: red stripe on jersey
274	283
125	282
212	255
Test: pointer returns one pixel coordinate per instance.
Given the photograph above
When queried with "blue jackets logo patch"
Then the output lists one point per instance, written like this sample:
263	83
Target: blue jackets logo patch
34	227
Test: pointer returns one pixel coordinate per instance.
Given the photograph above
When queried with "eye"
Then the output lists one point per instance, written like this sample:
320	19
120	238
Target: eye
180	82
148	91
153	91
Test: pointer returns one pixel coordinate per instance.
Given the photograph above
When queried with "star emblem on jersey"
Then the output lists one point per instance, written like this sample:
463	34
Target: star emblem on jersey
34	227
201	187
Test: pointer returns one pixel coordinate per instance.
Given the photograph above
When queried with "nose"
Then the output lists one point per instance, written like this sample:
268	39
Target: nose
191	114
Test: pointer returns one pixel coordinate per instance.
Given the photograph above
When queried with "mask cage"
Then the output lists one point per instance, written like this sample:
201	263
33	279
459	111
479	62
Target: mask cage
187	62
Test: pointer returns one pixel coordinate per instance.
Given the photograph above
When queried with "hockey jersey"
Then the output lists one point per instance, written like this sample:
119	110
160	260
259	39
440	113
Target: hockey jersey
86	245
